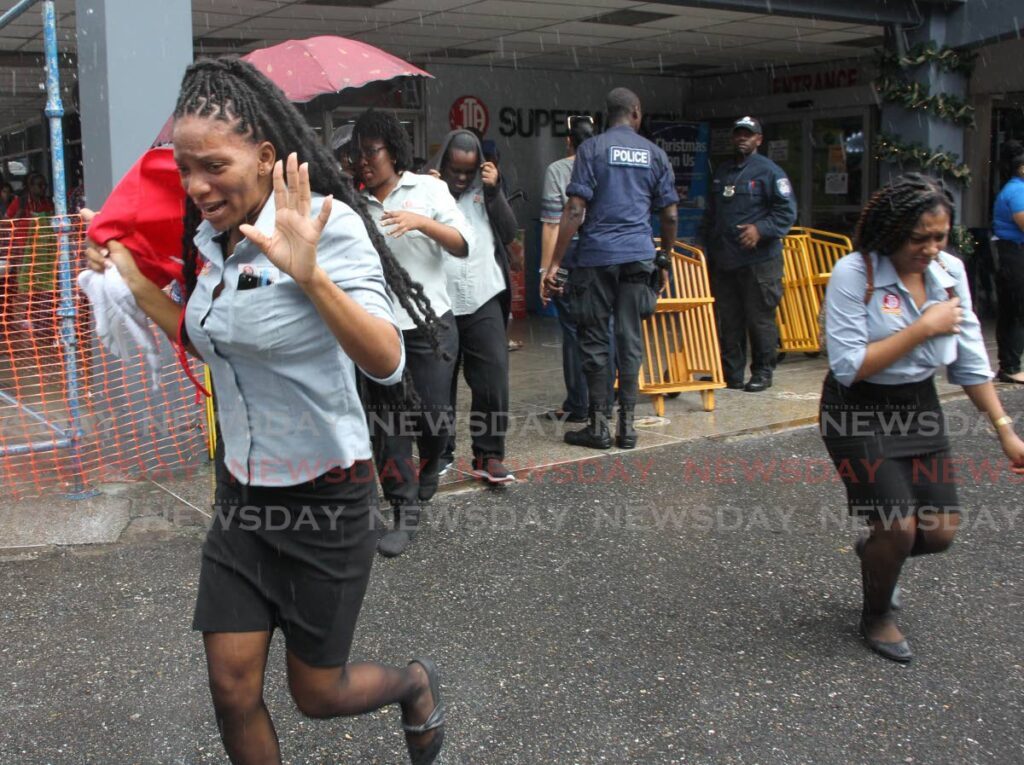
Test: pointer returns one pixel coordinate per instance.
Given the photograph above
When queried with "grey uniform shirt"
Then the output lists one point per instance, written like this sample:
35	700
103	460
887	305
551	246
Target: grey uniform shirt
287	401
552	203
850	324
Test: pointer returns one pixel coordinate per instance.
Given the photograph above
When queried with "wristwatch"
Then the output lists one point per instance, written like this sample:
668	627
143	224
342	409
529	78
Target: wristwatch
662	260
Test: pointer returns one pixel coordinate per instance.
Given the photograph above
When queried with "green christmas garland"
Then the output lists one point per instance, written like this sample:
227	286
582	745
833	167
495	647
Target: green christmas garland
892	87
947	59
914	95
963	241
891	149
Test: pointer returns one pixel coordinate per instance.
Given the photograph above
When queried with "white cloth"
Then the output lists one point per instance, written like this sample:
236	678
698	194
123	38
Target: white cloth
121	326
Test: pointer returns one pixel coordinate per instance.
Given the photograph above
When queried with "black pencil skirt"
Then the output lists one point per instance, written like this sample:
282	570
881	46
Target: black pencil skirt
890	445
296	557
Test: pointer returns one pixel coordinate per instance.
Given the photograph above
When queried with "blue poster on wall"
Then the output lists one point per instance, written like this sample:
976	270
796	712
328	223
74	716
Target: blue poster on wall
687	145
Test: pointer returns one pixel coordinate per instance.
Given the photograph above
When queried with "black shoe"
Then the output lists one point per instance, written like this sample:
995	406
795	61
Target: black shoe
595	436
1005	377
758	383
625	433
491	470
429	479
394	542
896	599
427	754
898	651
560	415
735	385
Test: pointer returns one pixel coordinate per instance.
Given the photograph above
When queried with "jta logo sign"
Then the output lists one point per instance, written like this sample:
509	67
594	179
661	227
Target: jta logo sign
469	112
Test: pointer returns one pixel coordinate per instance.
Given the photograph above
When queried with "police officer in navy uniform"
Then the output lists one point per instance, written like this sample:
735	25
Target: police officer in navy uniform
618	180
750	209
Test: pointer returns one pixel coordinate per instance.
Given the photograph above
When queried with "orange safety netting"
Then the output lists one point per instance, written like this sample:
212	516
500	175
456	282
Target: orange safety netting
71	414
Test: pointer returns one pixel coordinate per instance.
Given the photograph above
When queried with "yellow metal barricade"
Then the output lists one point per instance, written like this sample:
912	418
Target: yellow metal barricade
797	316
808	258
681	339
211	415
824	249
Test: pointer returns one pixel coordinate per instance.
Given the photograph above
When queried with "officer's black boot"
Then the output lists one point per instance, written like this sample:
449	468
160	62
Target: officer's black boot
625	434
596	435
407	521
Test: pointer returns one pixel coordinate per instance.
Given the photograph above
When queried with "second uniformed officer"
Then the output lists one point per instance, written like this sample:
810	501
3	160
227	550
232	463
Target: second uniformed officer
750	209
619	178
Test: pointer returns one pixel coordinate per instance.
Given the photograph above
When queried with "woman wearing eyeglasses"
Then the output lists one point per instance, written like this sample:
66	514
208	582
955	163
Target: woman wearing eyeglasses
423	226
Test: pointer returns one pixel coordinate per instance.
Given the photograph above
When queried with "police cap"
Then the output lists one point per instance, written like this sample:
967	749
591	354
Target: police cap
747	123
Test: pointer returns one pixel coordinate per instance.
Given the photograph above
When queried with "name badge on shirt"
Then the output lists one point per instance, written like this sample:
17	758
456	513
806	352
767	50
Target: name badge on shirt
251	277
625	156
891	305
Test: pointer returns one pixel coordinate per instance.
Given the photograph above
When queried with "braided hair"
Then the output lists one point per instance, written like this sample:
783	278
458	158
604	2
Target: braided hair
233	91
892	212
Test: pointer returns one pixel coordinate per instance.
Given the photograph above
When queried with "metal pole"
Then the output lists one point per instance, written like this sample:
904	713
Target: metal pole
66	310
16	11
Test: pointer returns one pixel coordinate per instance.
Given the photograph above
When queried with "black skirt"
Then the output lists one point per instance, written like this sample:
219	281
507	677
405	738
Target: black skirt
295	557
890	445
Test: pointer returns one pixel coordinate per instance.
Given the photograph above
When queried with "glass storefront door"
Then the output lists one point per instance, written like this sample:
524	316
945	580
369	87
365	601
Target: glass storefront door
838	181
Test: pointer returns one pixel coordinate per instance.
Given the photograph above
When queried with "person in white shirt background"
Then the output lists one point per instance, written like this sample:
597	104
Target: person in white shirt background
424	230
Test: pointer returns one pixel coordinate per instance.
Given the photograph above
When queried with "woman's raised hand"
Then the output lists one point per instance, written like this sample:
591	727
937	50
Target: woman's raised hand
943	318
292	247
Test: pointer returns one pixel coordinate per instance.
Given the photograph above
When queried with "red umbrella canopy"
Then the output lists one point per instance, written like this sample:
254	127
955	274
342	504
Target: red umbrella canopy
305	69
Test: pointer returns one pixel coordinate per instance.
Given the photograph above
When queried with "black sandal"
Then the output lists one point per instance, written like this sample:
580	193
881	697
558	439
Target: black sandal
426	754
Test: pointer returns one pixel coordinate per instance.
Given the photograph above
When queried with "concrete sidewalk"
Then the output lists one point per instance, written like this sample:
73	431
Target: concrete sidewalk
534	442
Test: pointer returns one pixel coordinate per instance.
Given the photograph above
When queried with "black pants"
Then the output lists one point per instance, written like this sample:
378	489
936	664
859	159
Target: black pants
1010	316
393	431
483	357
595	295
745	302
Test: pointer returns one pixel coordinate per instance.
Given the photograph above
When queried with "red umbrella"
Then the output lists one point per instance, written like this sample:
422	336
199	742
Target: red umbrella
305	69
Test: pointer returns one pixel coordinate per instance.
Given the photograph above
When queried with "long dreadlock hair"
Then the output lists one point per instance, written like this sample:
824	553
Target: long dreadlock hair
892	212
235	92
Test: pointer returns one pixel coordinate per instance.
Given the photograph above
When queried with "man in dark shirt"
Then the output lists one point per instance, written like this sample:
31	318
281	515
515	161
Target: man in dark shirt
618	179
750	209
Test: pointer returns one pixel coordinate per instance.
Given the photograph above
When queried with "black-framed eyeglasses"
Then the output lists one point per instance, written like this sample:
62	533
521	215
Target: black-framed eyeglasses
357	153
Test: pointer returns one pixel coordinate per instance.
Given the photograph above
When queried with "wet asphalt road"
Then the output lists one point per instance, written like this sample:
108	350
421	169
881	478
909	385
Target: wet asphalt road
676	605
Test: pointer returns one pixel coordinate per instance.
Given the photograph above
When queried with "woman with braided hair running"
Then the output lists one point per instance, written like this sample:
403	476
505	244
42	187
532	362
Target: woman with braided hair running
287	285
895	311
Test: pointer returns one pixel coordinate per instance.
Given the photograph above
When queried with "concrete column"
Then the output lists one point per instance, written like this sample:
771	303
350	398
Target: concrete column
919	126
131	57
